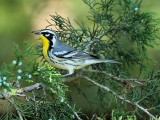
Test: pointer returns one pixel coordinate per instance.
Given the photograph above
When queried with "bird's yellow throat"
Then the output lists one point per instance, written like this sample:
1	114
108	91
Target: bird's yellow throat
45	43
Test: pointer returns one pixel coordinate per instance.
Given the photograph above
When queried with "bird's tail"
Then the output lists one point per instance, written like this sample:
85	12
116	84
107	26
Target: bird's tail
93	61
108	61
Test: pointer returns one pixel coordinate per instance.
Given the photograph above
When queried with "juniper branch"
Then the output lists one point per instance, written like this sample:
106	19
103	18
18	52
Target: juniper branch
22	91
120	97
11	101
119	79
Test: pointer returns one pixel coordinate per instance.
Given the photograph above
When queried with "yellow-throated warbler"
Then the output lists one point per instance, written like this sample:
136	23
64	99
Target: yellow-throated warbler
63	56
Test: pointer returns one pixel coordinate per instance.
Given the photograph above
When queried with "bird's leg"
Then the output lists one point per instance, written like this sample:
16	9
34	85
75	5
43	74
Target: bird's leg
80	72
71	72
67	75
70	76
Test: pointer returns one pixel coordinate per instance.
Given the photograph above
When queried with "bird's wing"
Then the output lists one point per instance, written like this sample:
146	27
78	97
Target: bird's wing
65	51
72	54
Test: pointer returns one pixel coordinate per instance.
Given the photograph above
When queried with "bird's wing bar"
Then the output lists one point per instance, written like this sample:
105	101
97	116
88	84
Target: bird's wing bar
64	54
75	54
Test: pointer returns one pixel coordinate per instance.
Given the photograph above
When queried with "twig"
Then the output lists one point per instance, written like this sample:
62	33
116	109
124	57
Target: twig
88	44
120	97
122	80
75	113
22	91
12	103
30	88
50	24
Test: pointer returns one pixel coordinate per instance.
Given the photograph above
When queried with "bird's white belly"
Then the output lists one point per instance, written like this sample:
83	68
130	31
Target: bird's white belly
59	65
64	64
68	64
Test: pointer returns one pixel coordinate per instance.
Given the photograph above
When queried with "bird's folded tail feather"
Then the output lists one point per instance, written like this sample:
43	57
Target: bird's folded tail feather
109	61
93	61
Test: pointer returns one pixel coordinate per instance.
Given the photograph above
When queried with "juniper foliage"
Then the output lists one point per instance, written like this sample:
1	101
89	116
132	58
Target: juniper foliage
119	30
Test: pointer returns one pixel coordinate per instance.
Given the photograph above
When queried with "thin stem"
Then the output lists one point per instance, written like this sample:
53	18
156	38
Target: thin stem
120	97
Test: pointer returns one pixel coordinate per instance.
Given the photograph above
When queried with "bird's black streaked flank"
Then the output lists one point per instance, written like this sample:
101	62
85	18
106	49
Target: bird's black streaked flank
63	56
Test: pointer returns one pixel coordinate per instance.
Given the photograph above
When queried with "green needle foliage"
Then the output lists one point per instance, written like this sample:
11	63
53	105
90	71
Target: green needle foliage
48	102
119	30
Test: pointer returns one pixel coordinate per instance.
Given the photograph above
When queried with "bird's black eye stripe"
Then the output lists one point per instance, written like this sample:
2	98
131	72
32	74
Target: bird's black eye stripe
48	35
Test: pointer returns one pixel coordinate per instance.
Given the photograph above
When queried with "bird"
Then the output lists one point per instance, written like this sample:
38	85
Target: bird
63	56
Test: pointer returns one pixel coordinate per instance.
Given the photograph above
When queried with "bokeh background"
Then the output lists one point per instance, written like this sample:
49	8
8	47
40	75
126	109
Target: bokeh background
19	17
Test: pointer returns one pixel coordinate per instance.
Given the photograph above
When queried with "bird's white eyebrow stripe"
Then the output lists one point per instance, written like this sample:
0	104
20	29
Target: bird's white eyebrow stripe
48	32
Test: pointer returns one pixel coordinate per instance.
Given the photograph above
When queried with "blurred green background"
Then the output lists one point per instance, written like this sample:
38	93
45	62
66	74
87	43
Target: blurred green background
19	17
16	18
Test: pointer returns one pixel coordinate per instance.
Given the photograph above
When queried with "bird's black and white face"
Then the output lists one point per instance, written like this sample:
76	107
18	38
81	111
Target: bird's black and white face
49	34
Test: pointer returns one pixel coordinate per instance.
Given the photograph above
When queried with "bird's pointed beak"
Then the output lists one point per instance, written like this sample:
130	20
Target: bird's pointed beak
37	32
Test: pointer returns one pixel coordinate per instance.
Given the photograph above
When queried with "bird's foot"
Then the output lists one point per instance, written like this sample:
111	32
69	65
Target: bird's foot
67	75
